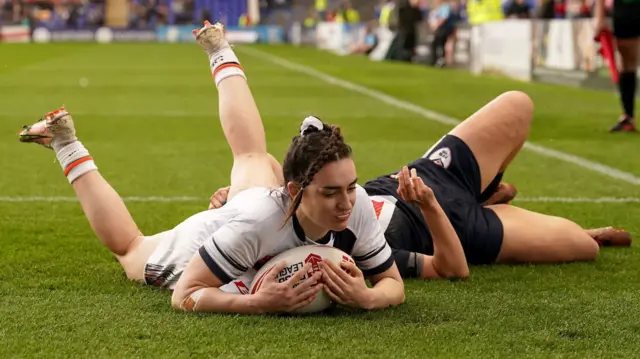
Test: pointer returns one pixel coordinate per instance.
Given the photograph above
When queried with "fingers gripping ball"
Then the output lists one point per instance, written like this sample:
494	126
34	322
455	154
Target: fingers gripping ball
295	259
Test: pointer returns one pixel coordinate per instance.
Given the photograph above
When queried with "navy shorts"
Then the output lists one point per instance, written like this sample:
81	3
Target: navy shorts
451	170
626	28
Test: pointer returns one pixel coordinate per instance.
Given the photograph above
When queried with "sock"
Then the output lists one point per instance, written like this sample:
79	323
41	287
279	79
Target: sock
224	64
627	88
75	160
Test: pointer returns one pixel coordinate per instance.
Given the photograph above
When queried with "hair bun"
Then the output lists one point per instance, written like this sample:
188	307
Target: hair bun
310	124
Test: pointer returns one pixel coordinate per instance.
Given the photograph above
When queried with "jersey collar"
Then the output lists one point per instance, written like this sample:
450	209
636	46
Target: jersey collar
302	237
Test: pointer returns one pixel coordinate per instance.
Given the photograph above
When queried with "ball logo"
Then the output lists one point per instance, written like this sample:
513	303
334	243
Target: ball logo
347	259
441	157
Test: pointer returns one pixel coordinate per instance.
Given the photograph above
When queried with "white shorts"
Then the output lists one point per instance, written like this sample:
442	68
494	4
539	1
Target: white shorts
177	246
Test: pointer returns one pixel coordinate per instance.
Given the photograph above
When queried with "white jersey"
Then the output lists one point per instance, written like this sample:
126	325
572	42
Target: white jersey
254	233
235	240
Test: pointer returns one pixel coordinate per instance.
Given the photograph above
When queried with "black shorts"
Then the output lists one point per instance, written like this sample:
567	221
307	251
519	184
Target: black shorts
626	28
452	172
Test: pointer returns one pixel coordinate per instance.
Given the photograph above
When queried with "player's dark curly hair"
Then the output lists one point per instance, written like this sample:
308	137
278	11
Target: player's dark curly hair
308	153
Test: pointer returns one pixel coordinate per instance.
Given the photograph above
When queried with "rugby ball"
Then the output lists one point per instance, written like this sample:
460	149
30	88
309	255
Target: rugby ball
295	259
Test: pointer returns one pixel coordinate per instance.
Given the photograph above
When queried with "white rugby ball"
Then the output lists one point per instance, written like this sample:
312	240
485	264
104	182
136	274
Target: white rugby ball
295	259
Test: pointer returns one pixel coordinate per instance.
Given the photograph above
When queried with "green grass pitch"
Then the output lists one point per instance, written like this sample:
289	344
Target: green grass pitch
148	114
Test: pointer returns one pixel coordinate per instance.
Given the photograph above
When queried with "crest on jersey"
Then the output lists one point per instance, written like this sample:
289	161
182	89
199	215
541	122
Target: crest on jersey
377	206
441	157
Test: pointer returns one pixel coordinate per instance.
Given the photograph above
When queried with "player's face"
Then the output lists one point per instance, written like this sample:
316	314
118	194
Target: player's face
330	197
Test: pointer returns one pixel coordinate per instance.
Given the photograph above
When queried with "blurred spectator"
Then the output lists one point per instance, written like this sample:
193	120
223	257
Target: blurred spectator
346	13
577	9
370	40
481	11
441	25
183	11
312	18
546	9
403	45
321	9
148	13
560	9
518	9
384	12
12	12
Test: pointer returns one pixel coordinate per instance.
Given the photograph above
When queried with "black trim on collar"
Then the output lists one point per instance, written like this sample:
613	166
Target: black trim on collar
300	232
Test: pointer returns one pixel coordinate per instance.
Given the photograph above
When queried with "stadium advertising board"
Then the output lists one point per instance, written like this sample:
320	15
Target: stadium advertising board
504	48
565	53
15	33
102	35
264	34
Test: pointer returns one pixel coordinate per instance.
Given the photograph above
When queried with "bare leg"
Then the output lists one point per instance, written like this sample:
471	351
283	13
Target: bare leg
107	214
531	237
239	115
507	118
105	210
628	48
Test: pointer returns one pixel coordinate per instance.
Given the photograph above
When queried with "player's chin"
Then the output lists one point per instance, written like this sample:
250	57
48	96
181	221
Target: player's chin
340	222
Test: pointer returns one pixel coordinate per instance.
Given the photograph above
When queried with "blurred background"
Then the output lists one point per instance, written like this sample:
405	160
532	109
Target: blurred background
543	40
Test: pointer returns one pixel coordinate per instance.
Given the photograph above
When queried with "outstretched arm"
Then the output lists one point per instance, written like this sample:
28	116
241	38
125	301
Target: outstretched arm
448	260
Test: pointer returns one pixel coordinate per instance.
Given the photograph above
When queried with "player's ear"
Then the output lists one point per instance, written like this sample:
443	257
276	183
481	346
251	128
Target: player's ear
293	189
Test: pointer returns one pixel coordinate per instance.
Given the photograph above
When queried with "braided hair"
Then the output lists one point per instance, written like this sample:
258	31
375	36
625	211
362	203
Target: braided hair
317	145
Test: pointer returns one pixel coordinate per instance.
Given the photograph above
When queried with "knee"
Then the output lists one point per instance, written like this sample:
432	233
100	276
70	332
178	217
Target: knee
518	114
522	105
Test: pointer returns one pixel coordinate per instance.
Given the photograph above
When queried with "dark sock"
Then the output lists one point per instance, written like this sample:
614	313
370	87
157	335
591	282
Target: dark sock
627	88
491	188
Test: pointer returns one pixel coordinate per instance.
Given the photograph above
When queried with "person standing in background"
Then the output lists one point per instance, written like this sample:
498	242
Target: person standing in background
441	24
626	31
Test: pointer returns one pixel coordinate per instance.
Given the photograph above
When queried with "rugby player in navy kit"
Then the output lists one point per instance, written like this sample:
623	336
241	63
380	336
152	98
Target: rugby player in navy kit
464	170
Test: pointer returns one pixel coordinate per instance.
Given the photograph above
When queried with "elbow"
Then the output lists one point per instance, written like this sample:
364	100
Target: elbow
459	272
403	298
463	273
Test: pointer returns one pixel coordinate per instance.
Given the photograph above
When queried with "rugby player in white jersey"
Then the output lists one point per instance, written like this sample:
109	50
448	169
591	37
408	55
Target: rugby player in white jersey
320	203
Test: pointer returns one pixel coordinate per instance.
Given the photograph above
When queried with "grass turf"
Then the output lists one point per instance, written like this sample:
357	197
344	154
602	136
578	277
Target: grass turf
149	117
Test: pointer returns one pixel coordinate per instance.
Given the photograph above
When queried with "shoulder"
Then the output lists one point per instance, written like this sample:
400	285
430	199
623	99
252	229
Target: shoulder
362	213
259	207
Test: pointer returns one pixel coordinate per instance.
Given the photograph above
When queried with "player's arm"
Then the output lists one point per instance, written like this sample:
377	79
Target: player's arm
388	288
599	10
198	290
448	260
346	284
229	253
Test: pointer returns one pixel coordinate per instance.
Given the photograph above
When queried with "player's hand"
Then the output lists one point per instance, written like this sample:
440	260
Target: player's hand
219	198
277	297
600	25
411	188
345	284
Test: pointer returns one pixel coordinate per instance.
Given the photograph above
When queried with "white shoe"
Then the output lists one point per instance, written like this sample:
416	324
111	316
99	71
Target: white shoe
211	38
54	126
